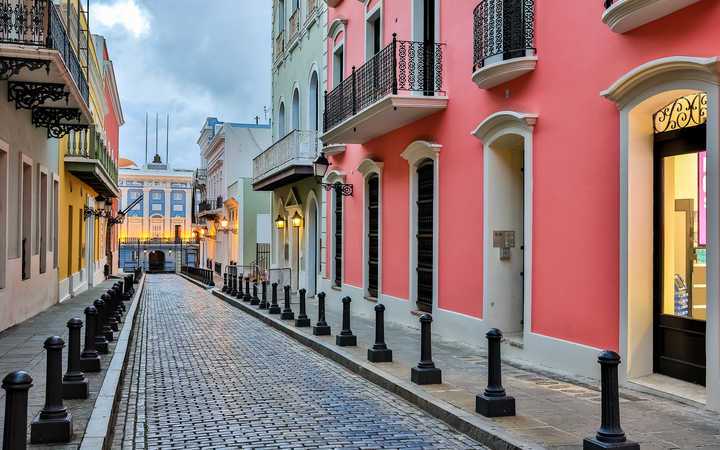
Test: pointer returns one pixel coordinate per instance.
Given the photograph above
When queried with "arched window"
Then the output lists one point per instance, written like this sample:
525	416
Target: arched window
313	102
281	121
296	110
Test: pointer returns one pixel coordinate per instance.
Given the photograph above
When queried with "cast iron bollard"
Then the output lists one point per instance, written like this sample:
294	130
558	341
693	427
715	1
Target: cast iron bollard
116	292
610	434
89	358
232	290
321	328
247	297
121	295
263	302
54	423
346	338
274	307
237	286
74	383
225	282
425	372
494	402
101	343
110	316
16	385
255	300
211	278
287	313
379	352
302	319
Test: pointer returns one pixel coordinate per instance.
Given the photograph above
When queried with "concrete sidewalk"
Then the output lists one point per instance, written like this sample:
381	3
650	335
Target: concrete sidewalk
552	412
21	348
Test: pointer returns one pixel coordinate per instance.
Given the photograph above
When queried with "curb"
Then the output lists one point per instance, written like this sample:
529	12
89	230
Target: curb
477	427
98	428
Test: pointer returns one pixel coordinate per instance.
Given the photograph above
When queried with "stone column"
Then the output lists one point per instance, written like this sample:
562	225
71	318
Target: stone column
146	212
167	228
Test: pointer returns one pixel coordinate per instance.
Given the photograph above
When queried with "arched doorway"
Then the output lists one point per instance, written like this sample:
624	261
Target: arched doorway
156	261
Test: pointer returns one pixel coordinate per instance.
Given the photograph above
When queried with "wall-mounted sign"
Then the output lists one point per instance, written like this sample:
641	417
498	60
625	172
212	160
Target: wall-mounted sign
503	239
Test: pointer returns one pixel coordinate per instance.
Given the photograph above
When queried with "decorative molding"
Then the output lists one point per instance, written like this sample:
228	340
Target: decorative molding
13	66
30	95
335	176
368	165
624	89
420	150
492	75
334	149
625	15
50	118
336	26
504	119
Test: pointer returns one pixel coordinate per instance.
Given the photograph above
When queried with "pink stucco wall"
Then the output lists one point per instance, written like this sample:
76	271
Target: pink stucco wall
576	158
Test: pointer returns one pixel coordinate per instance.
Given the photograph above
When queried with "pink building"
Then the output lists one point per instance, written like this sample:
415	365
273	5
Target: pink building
538	167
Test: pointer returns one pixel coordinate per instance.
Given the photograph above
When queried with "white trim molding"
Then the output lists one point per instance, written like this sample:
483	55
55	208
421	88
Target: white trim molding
495	74
503	120
419	150
626	15
367	168
638	94
334	149
336	26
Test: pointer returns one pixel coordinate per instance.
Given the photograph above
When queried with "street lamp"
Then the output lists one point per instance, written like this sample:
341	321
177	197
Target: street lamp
296	220
280	222
224	222
320	168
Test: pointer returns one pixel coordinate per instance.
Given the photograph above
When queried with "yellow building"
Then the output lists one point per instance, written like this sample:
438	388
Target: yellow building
88	170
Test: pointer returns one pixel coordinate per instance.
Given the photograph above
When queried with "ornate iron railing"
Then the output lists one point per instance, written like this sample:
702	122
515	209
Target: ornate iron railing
402	66
296	148
89	144
210	205
38	23
156	241
503	28
609	3
683	112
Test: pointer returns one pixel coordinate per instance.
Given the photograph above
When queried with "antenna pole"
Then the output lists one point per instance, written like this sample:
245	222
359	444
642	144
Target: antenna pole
167	140
146	136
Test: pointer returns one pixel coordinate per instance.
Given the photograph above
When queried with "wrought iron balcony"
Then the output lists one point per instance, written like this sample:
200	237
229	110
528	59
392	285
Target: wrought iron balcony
287	160
200	178
625	15
33	36
368	103
504	41
89	159
210	207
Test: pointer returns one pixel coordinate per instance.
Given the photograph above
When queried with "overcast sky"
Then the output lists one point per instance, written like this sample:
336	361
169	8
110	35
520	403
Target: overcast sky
190	58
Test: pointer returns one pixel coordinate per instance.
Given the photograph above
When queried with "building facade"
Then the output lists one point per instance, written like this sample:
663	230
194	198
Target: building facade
487	152
49	70
157	231
231	219
285	168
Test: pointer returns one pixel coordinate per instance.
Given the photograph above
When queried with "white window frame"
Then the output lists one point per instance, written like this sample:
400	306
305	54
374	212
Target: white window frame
367	168
25	160
42	234
335	176
376	12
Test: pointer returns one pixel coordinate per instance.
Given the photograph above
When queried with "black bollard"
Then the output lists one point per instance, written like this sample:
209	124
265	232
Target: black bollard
121	295
16	385
54	423
321	328
274	307
494	402
302	319
610	434
110	316
238	289
346	338
116	291
263	302
101	343
287	313
247	297
225	282
255	300
89	358
233	285
74	384
425	372
379	352
211	278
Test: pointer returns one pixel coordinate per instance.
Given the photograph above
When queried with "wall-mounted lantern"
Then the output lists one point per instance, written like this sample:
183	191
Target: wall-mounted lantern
320	168
297	220
280	222
224	222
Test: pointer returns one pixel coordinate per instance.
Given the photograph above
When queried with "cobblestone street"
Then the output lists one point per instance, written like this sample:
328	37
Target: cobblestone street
204	374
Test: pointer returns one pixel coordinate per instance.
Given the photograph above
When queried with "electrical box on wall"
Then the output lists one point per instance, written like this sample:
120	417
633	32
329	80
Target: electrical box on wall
504	240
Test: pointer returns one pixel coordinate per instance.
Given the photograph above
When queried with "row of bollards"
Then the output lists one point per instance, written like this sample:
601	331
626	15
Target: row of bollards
54	422
493	402
204	276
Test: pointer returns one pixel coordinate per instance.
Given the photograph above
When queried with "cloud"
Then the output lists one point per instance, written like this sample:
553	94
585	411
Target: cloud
124	13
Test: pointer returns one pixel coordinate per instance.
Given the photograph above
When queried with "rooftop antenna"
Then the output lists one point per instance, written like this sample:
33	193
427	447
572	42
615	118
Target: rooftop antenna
265	112
146	136
167	139
156	133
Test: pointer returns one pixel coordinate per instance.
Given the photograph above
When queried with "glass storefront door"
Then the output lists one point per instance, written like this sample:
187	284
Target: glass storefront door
680	254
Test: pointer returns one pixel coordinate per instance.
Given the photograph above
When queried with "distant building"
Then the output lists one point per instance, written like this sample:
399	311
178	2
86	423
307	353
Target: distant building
232	220
157	231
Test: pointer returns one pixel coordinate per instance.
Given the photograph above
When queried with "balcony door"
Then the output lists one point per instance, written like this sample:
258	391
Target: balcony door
425	198
425	31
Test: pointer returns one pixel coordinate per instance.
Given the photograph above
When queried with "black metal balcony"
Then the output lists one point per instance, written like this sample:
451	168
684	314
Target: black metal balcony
402	66
503	29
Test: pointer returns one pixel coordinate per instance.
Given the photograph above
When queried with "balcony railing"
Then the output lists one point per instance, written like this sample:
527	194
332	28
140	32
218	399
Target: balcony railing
296	148
503	29
210	205
156	241
294	23
280	44
37	23
402	66
88	144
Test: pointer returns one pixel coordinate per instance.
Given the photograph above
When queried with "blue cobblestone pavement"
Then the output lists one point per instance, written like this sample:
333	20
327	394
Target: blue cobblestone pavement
202	374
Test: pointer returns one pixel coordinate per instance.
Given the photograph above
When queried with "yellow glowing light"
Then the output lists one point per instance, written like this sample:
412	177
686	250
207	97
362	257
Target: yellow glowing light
224	223
202	231
280	222
296	219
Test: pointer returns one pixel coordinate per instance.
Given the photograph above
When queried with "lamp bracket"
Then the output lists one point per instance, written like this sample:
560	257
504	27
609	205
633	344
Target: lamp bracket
340	188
